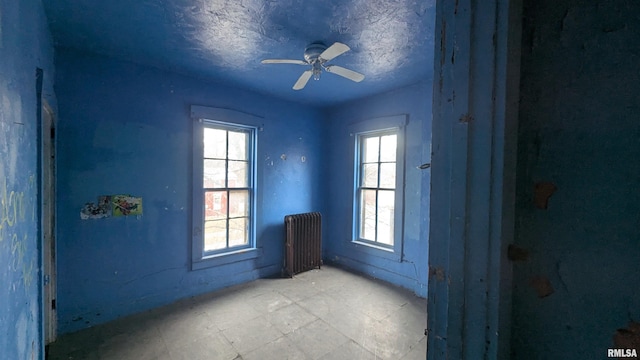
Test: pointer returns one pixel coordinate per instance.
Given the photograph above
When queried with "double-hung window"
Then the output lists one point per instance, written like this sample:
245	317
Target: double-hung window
379	183
226	187
377	187
223	187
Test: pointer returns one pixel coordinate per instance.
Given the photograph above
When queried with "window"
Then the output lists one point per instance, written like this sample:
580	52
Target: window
226	186
379	184
223	186
377	187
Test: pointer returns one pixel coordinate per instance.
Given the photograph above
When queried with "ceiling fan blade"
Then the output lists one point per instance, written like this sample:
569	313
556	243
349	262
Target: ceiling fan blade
302	80
284	61
334	50
349	74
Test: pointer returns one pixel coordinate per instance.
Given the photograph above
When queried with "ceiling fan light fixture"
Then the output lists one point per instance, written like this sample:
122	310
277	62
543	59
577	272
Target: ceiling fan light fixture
317	70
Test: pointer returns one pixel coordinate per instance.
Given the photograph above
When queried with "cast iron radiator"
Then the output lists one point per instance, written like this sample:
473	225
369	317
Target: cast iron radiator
303	248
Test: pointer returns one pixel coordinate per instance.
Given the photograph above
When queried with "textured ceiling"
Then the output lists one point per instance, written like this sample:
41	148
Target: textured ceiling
224	40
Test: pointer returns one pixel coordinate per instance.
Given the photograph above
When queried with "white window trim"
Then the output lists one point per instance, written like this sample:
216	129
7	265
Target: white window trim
397	123
200	115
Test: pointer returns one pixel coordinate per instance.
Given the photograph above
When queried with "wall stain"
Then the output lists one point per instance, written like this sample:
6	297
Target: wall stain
515	253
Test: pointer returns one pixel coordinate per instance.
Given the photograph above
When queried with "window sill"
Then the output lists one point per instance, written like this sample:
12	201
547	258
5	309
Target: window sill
373	250
226	258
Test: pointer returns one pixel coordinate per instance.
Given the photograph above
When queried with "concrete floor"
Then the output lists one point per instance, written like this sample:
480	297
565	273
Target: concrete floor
320	314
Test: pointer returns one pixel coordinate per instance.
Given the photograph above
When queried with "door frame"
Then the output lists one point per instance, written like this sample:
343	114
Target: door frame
47	180
474	140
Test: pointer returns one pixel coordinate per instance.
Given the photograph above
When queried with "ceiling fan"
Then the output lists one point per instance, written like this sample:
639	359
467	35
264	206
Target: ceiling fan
317	55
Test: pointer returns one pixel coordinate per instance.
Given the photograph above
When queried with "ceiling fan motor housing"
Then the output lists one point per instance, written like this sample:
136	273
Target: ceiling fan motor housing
312	54
313	51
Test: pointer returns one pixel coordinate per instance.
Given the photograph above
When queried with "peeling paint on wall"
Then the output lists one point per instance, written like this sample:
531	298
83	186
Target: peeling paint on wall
542	193
466	118
542	286
628	338
437	272
93	211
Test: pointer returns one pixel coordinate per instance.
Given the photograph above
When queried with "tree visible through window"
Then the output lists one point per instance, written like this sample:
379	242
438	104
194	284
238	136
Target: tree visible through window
227	187
377	187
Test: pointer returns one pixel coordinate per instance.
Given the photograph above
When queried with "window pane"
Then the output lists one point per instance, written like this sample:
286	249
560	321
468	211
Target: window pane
368	215
238	232
215	143
238	203
388	145
215	205
238	174
213	174
370	178
388	175
215	235
238	145
370	150
386	200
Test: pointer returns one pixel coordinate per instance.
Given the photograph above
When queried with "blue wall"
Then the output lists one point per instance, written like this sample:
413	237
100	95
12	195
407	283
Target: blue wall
579	129
125	128
23	49
412	271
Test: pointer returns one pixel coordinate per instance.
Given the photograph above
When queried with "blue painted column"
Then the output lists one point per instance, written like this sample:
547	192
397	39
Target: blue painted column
473	178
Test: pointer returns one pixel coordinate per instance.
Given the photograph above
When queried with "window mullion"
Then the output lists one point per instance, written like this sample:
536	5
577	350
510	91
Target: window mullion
379	157
226	184
226	161
378	184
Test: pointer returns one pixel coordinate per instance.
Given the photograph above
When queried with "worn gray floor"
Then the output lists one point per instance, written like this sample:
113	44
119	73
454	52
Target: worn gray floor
327	314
